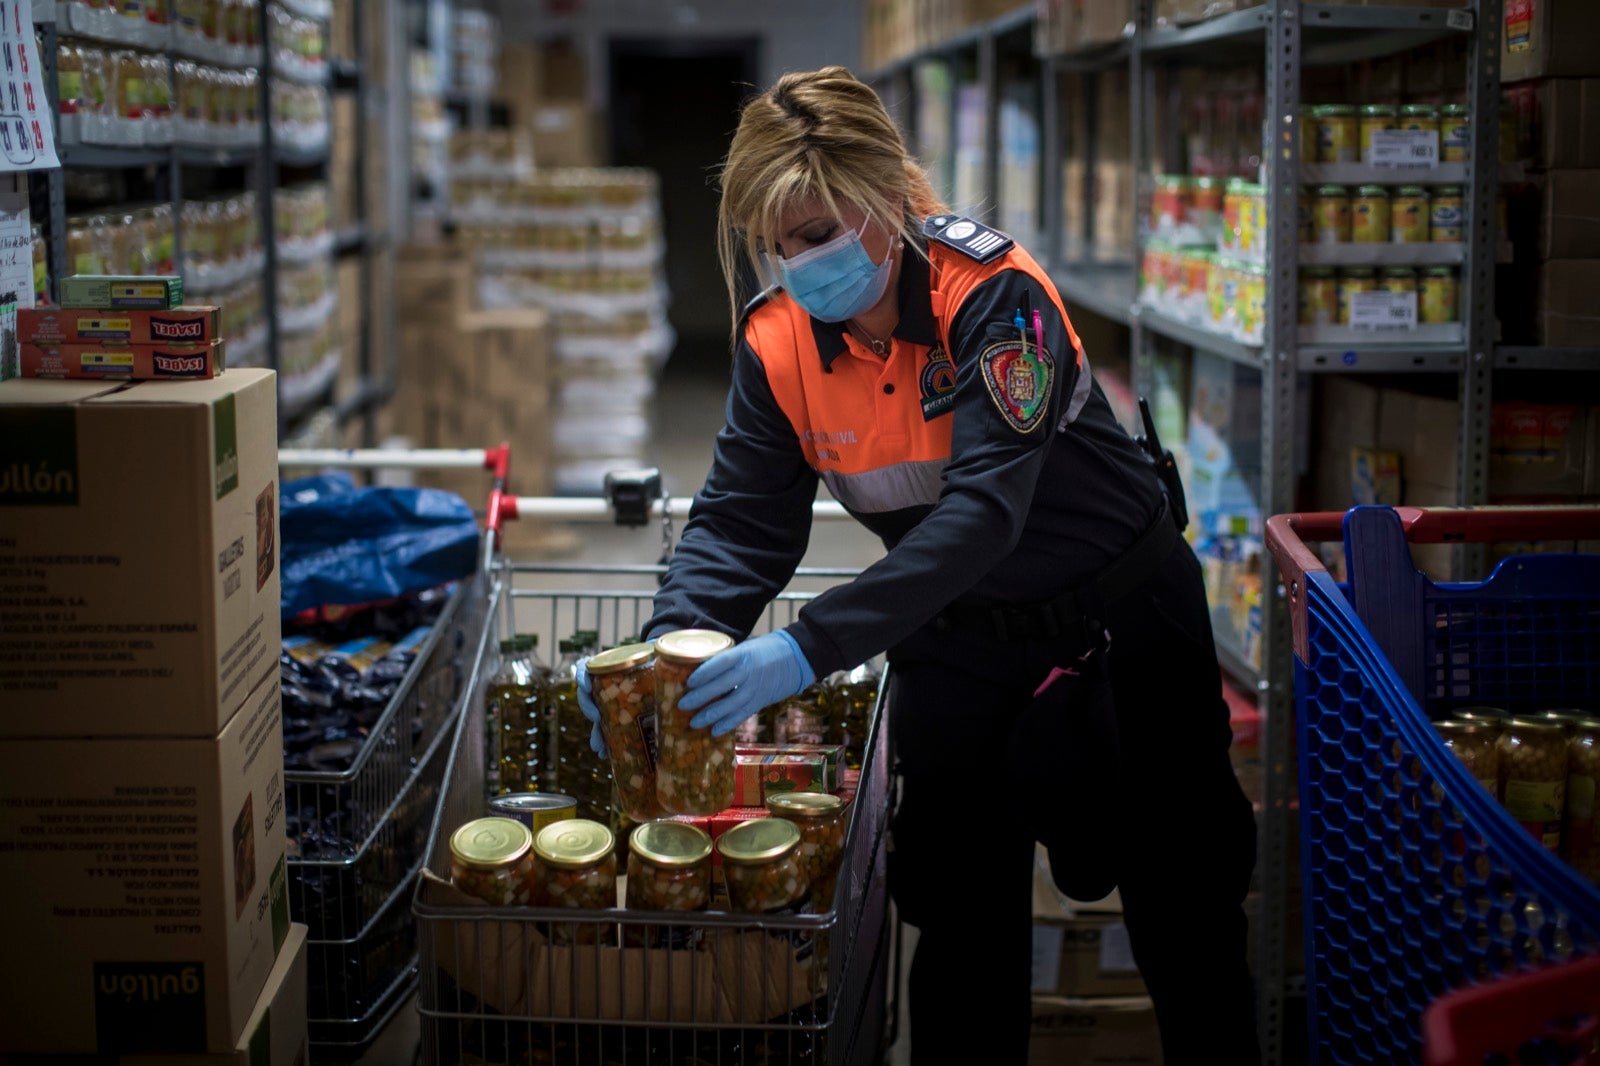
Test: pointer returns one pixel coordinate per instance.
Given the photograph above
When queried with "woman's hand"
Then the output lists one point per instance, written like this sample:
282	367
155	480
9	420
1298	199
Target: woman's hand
739	682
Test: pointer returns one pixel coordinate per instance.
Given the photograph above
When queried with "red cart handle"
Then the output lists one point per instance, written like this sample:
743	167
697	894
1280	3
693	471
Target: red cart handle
1469	1025
1288	535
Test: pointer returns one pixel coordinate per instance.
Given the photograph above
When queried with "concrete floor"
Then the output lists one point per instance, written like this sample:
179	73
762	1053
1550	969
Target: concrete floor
687	414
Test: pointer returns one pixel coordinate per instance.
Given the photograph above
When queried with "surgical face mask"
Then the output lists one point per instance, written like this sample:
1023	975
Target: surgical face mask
835	281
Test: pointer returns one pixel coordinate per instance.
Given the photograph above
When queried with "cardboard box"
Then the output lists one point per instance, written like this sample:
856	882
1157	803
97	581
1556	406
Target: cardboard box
1094	1032
1550	38
1567	314
124	362
146	518
762	770
1104	21
62	325
1374	477
1569	222
1079	954
108	291
145	879
1538	451
1558	121
566	135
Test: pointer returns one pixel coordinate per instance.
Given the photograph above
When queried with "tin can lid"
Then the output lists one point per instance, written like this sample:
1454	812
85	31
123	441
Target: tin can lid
692	645
1411	190
1450	272
1318	271
1454	109
1465	727
1360	272
1399	272
1373	190
1419	109
761	840
804	804
1377	109
669	843
1332	190
573	843
1536	724
624	658
1447	190
532	801
1335	109
490	842
1566	717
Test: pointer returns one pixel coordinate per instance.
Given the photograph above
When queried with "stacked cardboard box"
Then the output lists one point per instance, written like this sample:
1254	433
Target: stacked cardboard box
142	858
1089	1002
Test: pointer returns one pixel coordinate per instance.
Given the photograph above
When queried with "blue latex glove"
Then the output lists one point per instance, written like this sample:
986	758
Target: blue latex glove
739	682
586	704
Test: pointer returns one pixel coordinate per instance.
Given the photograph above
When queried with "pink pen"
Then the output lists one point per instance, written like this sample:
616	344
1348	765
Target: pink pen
1038	330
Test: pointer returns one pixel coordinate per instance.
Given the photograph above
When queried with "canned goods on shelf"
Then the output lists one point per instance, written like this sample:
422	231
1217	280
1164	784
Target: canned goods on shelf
1533	776
1351	281
1399	279
1319	296
534	809
1472	742
1581	831
1370	215
1331	211
1447	214
1419	117
1338	134
1375	117
1438	298
1455	133
1408	215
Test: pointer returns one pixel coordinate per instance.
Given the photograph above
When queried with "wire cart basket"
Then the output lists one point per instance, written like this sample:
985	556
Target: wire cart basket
532	986
357	836
1417	881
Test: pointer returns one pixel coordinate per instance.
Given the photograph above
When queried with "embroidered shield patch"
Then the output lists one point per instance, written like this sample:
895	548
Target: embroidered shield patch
1019	381
938	383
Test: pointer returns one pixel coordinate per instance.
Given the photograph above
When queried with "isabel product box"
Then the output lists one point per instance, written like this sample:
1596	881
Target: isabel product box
119	292
139	554
63	325
146	879
761	770
127	362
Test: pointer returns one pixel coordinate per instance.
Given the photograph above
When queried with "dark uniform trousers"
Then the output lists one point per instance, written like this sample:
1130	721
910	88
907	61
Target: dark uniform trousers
961	865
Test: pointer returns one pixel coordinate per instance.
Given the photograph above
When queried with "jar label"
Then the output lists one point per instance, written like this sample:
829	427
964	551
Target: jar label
647	733
1535	801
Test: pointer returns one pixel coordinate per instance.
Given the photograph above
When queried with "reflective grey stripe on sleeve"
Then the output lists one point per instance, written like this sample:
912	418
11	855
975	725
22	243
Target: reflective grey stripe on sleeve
889	488
1080	396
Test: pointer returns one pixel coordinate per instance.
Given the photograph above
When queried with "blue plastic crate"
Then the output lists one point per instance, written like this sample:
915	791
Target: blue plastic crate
1416	880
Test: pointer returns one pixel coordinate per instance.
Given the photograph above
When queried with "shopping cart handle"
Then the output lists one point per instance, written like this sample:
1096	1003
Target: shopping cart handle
1475	1024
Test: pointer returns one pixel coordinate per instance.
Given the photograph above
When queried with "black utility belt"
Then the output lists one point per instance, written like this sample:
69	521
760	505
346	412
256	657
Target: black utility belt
1069	611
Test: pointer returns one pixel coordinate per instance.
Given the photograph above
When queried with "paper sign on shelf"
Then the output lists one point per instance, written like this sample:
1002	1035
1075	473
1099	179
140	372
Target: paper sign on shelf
27	133
16	266
1405	148
1383	310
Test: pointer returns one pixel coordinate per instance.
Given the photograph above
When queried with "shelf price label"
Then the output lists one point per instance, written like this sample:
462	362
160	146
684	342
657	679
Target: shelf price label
1383	311
1405	148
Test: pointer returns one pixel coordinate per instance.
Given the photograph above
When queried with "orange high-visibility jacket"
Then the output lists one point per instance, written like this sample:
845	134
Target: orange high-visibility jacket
993	472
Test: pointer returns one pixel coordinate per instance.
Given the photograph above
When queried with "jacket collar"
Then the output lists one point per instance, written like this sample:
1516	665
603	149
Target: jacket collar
916	312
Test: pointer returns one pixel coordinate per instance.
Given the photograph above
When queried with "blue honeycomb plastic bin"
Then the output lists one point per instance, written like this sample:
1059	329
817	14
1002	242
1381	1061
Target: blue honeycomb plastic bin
1416	880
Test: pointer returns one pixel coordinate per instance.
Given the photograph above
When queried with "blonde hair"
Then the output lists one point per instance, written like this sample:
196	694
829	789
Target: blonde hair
819	134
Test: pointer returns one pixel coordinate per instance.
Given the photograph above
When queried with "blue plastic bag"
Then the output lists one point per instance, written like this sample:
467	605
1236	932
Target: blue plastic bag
344	545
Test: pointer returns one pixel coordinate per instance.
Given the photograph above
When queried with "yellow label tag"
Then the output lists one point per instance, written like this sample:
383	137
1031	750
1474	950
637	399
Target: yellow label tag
107	360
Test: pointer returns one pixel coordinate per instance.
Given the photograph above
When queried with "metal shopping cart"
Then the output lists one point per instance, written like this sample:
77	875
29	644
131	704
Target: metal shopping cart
1417	882
357	836
529	986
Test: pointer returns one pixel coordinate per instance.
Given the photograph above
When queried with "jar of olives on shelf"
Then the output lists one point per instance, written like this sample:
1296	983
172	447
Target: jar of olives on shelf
489	860
624	687
576	867
694	774
1582	828
1533	776
761	863
820	817
669	869
1473	743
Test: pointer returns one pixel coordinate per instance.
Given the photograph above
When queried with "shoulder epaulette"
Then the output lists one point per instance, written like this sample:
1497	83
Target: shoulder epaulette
972	239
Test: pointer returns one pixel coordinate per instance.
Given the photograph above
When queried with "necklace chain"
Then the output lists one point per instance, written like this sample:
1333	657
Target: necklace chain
879	348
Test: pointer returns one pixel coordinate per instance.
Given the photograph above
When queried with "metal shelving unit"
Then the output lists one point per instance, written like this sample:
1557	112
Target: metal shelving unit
1284	37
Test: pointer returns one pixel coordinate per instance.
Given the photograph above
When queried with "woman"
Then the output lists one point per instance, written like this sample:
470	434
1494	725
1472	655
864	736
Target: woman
898	359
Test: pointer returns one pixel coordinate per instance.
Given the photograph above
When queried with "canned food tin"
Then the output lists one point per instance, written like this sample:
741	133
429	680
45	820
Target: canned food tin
1582	828
1338	137
1206	199
1308	133
1455	133
1233	211
1169	206
761	862
624	687
1354	280
534	809
1419	117
694	773
1399	279
1375	117
1438	296
1473	743
1369	215
1252	300
1319	296
1252	217
1533	776
489	860
1331	210
1408	215
1446	216
820	818
1216	292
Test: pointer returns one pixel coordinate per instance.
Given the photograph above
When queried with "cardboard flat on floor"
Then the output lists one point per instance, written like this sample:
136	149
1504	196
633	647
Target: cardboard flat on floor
1549	38
65	325
1094	1032
146	879
1079	954
113	361
139	547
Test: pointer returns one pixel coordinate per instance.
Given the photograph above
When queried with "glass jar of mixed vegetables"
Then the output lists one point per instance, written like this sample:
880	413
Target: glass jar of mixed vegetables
761	862
576	865
820	817
489	860
694	773
624	687
669	869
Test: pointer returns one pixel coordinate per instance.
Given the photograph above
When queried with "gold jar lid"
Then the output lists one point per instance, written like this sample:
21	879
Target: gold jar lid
1566	717
761	840
1536	725
668	843
624	658
805	804
573	843
686	646
1497	715
1465	727
533	801
487	843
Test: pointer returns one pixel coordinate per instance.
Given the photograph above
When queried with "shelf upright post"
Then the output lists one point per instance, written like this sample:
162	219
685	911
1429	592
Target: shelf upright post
1051	222
1278	398
1477	274
266	174
1141	369
989	78
369	417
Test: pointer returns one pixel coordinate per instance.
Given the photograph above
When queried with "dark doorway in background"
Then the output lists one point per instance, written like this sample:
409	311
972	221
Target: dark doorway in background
673	108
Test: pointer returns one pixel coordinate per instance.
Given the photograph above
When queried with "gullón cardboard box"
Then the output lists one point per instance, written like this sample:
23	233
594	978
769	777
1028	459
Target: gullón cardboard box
138	554
145	879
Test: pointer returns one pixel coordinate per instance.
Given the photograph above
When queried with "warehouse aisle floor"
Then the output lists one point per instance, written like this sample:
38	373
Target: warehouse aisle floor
687	415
